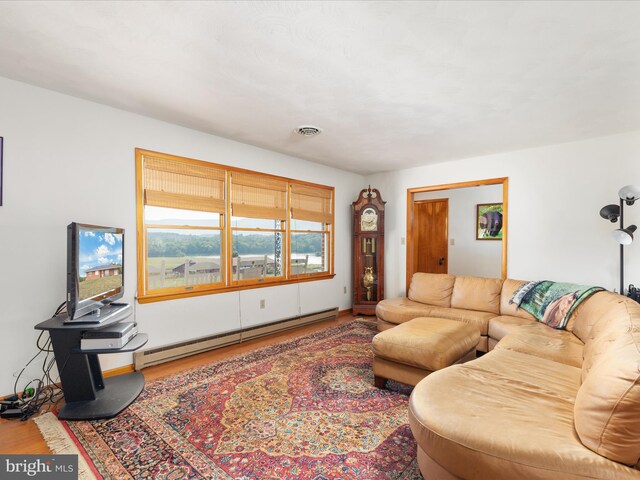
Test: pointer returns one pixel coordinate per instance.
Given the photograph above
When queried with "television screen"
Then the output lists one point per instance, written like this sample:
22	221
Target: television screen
95	267
100	258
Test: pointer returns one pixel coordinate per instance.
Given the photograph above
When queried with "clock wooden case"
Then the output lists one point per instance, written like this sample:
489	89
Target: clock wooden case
368	251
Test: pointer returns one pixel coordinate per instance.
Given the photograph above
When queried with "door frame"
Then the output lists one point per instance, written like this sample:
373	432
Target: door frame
504	181
413	245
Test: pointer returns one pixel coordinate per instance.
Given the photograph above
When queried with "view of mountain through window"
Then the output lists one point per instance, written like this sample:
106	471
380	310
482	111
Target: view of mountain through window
205	230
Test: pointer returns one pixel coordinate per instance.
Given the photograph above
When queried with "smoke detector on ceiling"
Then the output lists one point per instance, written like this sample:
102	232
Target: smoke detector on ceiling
308	131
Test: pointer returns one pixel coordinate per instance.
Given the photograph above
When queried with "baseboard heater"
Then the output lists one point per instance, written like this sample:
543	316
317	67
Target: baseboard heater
166	353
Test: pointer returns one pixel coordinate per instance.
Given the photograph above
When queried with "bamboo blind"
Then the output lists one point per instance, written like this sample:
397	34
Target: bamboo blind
258	196
172	184
311	203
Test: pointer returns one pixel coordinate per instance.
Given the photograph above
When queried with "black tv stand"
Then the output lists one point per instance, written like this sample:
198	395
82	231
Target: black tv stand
87	394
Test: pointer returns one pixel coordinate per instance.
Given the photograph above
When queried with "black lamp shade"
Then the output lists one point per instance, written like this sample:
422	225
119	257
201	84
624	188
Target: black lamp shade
624	236
610	212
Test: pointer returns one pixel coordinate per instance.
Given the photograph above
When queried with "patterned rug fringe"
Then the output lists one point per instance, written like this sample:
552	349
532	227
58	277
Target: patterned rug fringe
60	442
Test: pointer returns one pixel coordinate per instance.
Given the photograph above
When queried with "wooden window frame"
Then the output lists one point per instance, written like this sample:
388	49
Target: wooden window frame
328	231
229	284
298	195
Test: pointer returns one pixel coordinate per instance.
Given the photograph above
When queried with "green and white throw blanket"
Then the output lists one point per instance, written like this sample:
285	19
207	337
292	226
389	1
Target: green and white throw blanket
552	303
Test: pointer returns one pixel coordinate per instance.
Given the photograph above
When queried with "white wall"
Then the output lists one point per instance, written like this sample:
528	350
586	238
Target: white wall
67	159
60	150
467	255
555	194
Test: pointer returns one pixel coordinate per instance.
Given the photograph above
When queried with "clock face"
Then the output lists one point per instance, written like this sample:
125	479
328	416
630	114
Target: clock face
369	220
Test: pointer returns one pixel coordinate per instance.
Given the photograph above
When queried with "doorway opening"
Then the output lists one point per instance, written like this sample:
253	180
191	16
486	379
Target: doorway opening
429	226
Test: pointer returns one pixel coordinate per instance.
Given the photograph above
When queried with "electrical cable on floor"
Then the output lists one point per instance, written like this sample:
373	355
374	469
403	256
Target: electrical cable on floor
40	391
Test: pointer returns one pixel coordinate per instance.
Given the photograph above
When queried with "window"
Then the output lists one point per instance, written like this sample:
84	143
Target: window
258	219
207	228
311	220
183	225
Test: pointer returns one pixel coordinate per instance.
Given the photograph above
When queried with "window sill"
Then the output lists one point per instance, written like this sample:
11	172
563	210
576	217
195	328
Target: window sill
160	297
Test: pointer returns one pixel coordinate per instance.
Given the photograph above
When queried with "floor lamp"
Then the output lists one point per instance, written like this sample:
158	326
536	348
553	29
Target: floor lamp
624	236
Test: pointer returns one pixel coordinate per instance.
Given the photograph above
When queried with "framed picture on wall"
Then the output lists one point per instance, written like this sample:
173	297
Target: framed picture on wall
489	221
1	145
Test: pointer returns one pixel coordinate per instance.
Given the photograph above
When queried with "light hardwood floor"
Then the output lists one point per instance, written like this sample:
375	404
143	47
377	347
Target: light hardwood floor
24	437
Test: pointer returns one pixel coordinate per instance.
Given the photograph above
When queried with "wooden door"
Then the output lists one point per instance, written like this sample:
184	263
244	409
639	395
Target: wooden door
431	237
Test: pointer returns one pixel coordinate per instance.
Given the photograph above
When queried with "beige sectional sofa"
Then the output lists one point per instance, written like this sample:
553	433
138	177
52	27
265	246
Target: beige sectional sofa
543	403
483	302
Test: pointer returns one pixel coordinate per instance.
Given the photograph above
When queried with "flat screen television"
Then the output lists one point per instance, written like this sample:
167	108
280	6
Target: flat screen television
95	268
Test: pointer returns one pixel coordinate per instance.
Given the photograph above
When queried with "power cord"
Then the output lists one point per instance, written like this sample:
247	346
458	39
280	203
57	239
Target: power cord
40	391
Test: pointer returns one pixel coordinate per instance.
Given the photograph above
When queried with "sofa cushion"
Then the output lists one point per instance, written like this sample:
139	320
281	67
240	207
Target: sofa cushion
607	406
477	293
504	324
480	320
506	308
597	306
545	342
400	310
609	330
432	288
506	415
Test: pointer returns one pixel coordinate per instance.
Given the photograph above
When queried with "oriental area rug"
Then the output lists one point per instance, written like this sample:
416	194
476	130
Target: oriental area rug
302	409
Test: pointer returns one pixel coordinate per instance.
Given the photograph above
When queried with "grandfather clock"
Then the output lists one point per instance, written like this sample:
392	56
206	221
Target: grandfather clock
368	251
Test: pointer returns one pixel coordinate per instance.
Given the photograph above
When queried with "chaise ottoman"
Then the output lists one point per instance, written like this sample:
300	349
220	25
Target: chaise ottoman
412	350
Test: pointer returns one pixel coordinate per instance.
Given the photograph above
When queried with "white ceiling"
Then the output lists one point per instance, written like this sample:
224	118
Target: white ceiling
392	84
